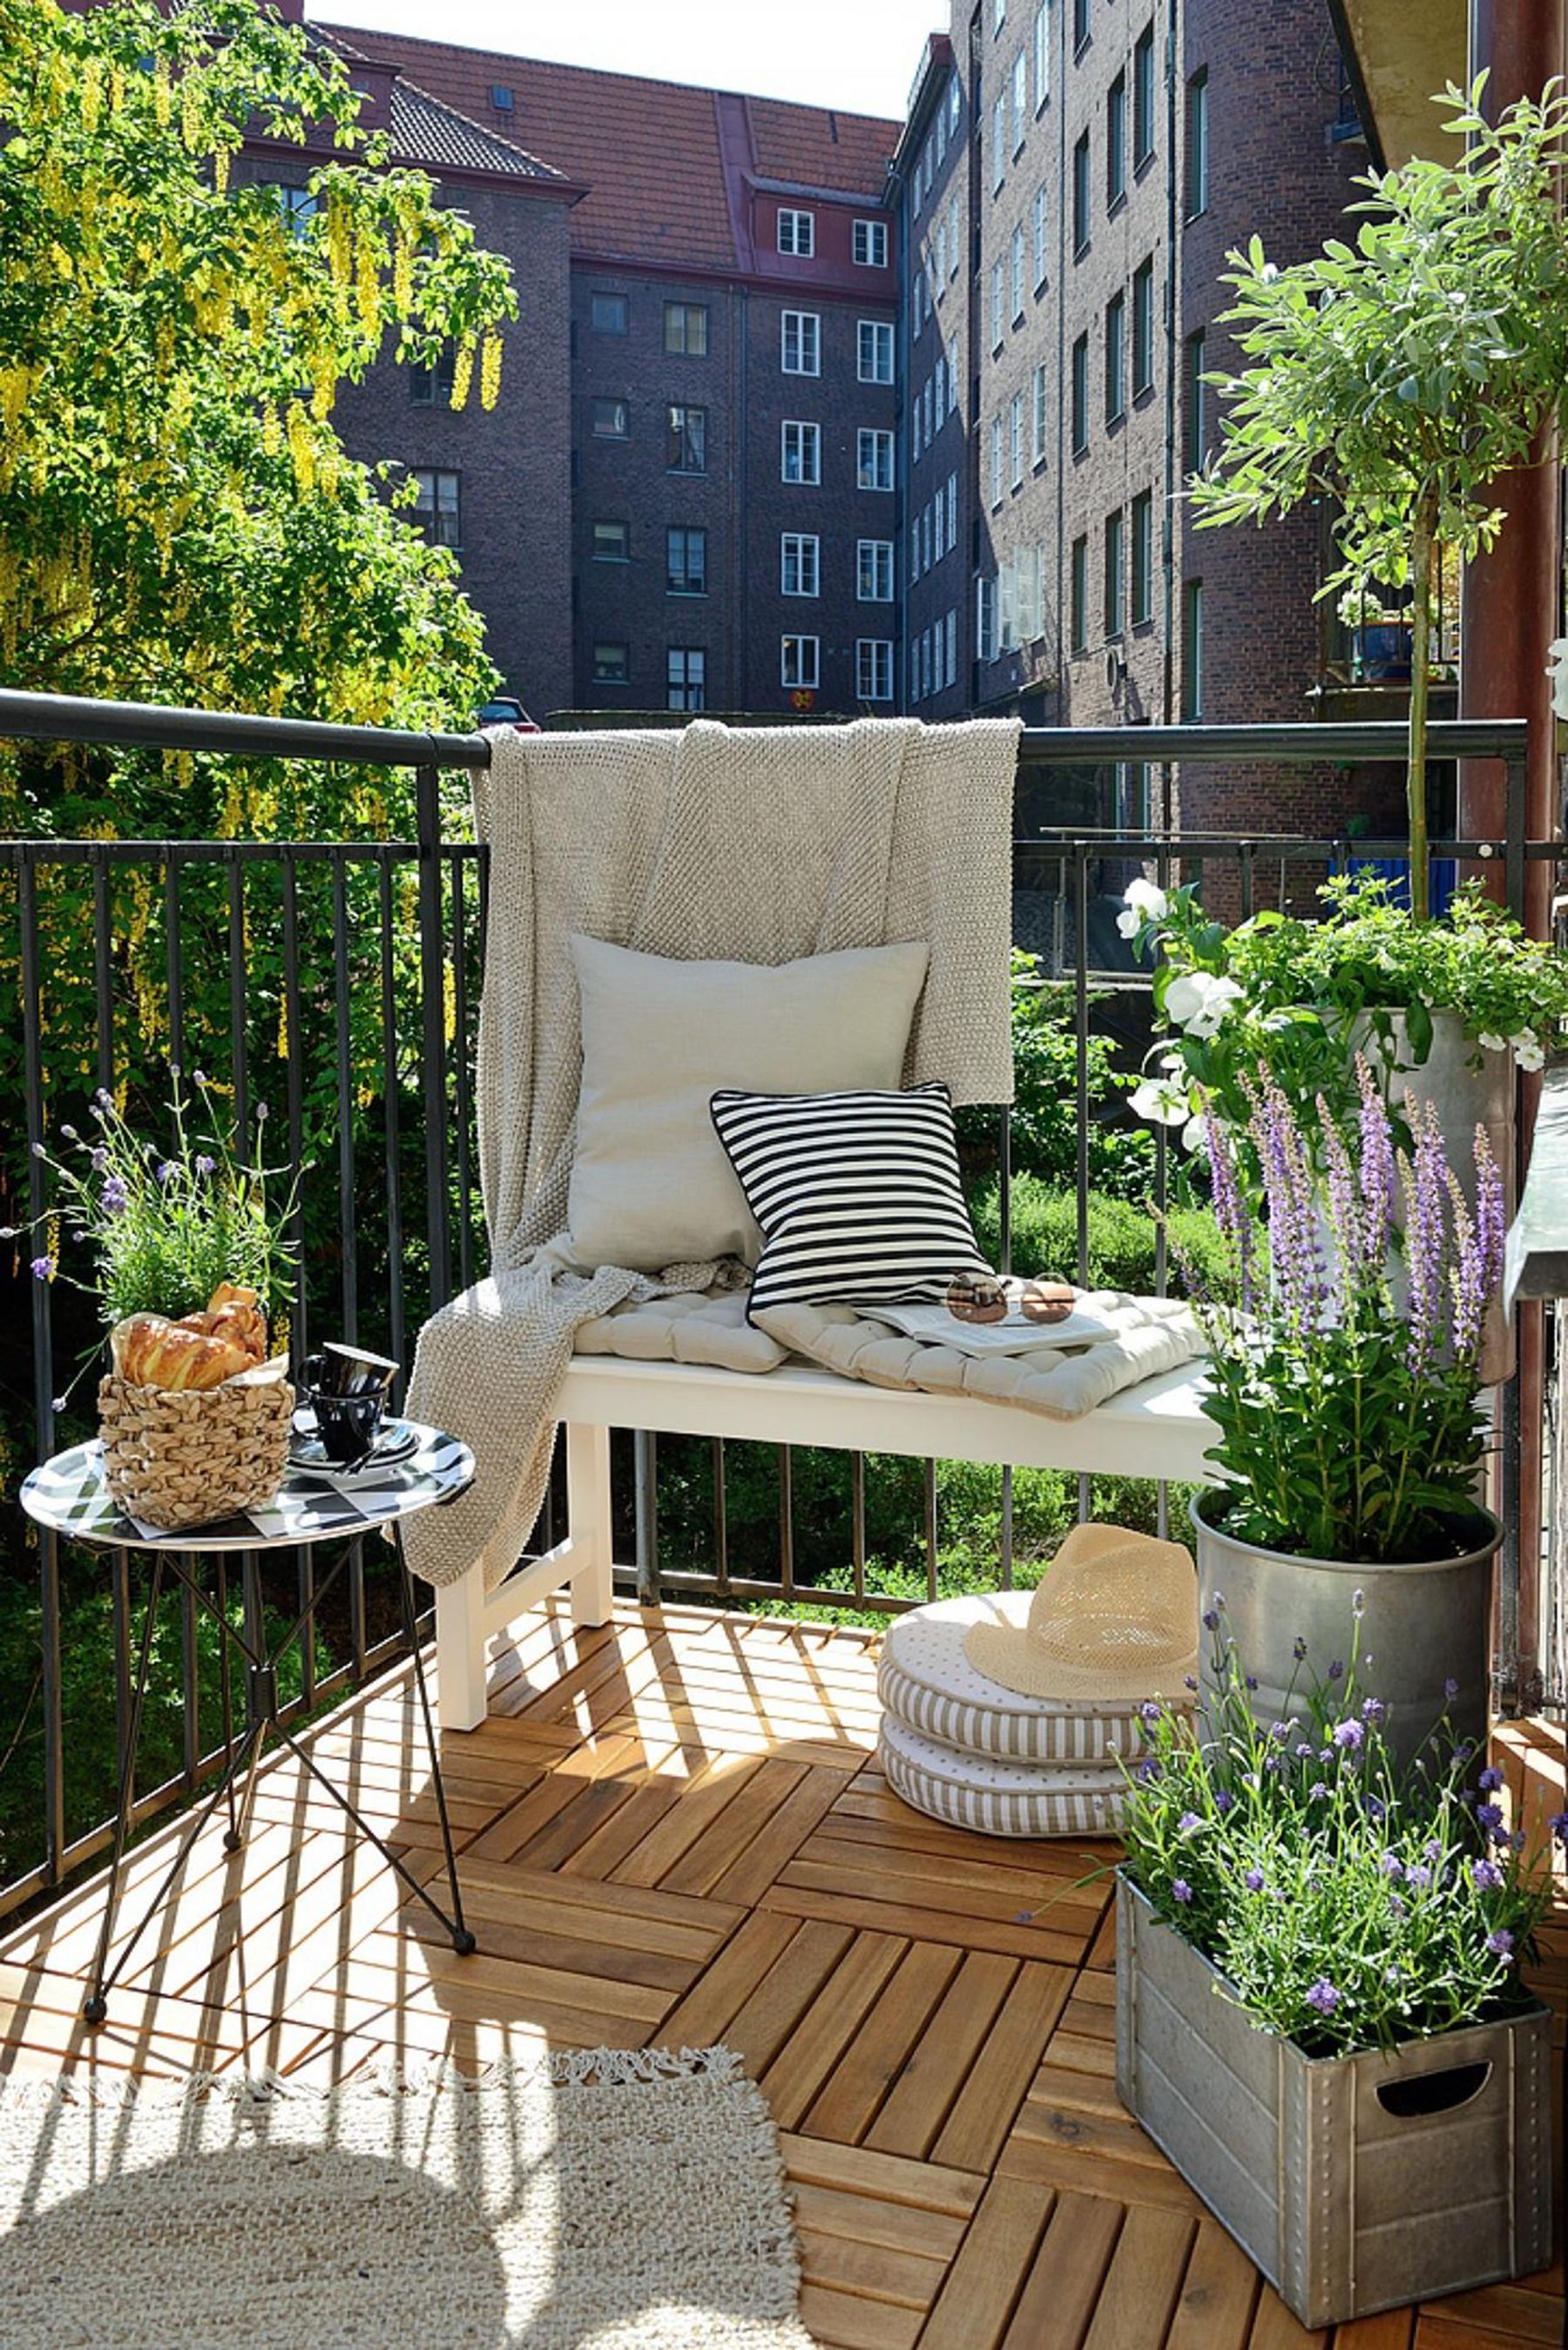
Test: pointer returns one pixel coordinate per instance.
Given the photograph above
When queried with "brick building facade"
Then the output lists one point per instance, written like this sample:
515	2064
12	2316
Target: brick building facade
708	392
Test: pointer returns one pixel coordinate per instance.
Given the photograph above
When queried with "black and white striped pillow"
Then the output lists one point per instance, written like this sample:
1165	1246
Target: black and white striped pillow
858	1194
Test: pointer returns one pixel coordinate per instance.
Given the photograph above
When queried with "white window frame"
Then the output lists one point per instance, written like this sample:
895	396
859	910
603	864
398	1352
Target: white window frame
999	142
985	618
1018	86
998	302
927	557
952	511
1042	54
803	656
873	571
940	398
1015	440
939	510
874	351
800	238
1039	420
951	676
914	548
1041	222
1007	605
955	242
996	459
955	102
1015	259
927	404
874	669
810	441
800	341
800	556
868	244
685	685
874	442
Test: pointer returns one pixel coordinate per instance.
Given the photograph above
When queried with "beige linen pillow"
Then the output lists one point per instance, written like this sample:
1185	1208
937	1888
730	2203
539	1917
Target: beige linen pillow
650	1183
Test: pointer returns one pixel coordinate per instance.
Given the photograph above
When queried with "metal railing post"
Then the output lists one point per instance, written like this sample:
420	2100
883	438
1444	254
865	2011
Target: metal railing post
432	1008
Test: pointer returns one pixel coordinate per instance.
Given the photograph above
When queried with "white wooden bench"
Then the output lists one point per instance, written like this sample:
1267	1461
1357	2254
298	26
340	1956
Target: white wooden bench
1157	1429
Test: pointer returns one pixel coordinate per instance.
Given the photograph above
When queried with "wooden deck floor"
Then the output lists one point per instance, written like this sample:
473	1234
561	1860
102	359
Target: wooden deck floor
671	1832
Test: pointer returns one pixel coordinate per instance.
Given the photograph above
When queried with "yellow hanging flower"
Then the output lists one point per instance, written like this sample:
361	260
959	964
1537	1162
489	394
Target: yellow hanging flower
301	446
463	372
367	284
221	169
490	372
92	93
162	94
272	431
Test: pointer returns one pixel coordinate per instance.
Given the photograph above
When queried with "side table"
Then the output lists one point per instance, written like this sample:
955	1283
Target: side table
68	1495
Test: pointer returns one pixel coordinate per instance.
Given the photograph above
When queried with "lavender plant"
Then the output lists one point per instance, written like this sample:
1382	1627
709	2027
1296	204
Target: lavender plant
166	1227
1348	1905
1349	1423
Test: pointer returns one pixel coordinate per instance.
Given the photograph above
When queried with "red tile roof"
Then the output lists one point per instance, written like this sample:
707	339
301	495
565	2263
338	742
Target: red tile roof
649	152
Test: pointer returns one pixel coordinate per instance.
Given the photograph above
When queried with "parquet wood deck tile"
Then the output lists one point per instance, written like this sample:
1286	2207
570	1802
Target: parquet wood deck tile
672	1829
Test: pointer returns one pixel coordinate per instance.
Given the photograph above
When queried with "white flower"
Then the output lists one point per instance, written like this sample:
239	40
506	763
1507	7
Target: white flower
1141	902
1198	1000
1557	671
1492	1044
1162	1102
1195	1135
1528	1050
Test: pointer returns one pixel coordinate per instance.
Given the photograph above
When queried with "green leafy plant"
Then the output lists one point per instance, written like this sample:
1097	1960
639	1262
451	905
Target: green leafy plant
1403	374
1044	1119
1348	1905
1349	1425
167	1227
1300	998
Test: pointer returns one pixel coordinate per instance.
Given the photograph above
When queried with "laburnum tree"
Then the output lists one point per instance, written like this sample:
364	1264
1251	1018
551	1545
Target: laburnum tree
179	521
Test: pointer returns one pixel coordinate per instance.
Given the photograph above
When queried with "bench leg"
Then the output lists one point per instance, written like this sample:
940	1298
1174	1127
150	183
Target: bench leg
588	1510
460	1650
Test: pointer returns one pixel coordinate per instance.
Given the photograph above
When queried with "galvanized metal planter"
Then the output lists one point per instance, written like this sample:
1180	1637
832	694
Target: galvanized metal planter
1355	2183
1425	1625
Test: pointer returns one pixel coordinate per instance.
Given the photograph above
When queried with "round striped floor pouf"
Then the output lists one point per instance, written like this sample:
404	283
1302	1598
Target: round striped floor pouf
926	1682
998	1797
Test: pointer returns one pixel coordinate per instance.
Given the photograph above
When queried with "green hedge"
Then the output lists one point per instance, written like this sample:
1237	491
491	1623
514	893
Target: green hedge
1121	1238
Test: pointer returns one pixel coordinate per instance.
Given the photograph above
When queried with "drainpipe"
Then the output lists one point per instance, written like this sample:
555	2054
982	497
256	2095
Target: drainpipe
740	569
1173	314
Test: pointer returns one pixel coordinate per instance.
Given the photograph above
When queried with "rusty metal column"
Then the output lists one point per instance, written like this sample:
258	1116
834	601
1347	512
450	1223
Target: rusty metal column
1511	603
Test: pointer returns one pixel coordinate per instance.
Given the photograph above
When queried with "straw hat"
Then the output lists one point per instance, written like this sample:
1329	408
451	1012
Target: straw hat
1115	1616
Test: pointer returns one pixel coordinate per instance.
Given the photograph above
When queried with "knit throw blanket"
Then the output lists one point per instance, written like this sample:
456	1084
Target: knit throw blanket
755	846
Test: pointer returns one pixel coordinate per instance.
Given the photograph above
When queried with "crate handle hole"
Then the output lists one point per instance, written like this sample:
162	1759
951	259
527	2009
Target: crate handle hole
1434	2093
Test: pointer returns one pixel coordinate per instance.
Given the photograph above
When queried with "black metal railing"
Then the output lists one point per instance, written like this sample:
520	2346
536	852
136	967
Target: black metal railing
337	982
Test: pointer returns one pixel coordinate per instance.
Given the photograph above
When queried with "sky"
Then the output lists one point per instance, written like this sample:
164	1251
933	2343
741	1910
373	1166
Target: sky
859	56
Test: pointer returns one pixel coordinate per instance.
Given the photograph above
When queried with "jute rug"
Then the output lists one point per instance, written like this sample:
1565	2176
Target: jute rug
613	2200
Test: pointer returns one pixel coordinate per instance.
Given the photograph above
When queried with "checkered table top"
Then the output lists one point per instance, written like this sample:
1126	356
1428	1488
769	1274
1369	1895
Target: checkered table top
68	1494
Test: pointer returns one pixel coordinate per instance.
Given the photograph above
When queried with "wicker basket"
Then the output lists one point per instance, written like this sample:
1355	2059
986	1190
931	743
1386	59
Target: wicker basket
178	1457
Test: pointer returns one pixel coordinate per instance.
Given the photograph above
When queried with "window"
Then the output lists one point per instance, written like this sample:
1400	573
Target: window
998	15
1078	596
874	669
940	132
501	96
1041	53
802	343
915	430
940	401
686	329
1143	98
431	387
686	562
868	242
873	571
1015	440
1080	196
1016	250
1198	144
986	619
437	507
874	459
297	206
610	420
1037	444
952	511
999	140
687	448
1115	356
955	103
799	563
998	302
797	234
1192	649
1040	214
607	313
612	665
919	298
801	454
798	661
875	344
611	542
1080	25
1142	329
926	404
1020	89
951	678
1116	143
1197	403
955	240
1114	581
1080	395
1142	558
939	510
685	678
914	549
996	460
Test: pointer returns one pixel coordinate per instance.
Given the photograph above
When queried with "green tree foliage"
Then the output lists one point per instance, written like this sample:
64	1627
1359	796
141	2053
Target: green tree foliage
1403	373
179	521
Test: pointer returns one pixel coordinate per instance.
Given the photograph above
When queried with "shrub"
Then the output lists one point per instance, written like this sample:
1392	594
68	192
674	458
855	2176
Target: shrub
1121	1243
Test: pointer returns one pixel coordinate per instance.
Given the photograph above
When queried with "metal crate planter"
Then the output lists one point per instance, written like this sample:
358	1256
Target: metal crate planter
1355	2183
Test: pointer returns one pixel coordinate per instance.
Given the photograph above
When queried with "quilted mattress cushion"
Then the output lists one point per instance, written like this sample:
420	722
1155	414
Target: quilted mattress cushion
999	1798
925	1680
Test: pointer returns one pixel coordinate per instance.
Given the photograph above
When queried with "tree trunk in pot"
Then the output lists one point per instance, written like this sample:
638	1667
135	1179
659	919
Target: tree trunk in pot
1425	1626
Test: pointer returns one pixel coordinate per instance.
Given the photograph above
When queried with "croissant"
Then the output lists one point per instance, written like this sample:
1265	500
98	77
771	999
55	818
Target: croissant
151	1351
234	1314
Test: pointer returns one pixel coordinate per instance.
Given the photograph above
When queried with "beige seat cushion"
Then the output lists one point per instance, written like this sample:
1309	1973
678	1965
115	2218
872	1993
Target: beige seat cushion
995	1798
924	1678
651	1184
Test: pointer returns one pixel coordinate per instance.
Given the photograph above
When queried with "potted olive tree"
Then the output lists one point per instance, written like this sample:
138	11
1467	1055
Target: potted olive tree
1320	2015
1403	374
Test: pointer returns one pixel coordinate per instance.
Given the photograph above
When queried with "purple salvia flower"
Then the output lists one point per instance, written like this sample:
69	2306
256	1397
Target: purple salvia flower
1253	1881
1187	1824
1377	1171
1349	1734
1485	1876
1180	1890
1490	1780
1424	1179
1488	1815
1344	1210
1231	1213
1324	1996
1500	1942
40	1268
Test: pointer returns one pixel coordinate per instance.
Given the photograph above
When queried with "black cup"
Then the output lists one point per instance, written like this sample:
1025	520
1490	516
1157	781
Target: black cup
346	1389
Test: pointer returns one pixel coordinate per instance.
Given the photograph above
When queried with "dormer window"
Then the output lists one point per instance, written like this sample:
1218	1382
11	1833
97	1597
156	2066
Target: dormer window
797	234
501	96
